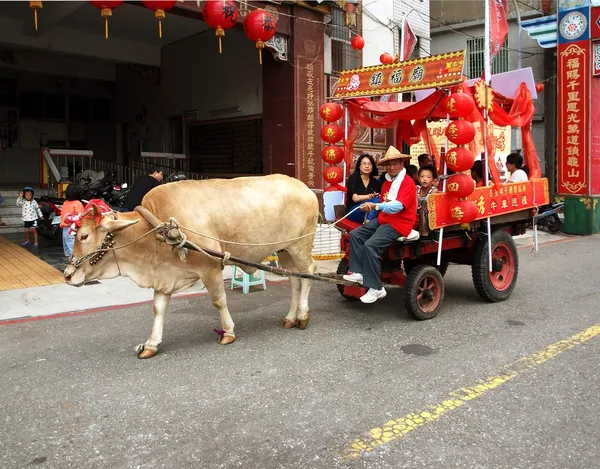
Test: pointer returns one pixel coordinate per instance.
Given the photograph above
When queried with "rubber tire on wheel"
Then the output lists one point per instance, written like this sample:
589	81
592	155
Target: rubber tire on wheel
342	269
423	276
554	225
495	286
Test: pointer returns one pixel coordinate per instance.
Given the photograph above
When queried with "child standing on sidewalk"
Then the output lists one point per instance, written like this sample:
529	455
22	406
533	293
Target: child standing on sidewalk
71	207
30	213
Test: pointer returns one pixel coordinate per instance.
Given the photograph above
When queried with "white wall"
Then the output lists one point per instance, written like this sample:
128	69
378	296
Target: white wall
417	13
379	38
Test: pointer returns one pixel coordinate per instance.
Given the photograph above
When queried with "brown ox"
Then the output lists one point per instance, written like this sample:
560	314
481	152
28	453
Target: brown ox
264	214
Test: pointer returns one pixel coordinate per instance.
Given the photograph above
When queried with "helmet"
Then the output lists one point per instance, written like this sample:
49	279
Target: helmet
177	177
30	189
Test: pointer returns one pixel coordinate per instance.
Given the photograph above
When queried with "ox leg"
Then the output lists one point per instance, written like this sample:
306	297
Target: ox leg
287	263
150	348
303	308
216	288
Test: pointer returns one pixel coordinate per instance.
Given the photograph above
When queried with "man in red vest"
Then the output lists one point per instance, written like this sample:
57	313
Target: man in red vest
397	215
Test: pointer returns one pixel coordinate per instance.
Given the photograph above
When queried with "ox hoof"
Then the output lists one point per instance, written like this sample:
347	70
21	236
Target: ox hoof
146	351
226	340
303	323
287	324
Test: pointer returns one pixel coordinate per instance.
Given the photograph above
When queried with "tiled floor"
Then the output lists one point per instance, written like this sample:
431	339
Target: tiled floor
29	267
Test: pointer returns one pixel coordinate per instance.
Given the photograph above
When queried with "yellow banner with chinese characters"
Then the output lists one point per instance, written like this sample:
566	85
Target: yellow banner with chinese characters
437	131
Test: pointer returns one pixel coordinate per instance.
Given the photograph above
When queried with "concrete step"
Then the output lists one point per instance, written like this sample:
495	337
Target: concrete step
11	229
7	211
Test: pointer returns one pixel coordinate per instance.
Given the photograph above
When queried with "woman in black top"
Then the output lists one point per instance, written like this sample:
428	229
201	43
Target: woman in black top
362	187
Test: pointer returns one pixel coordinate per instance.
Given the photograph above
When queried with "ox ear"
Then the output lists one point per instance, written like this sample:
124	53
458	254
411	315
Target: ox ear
116	225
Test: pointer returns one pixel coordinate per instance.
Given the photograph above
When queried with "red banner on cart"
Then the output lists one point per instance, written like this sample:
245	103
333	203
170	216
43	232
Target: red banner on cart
490	201
419	74
573	117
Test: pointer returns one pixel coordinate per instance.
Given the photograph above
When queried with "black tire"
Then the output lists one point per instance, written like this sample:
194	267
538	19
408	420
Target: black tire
554	224
410	264
424	292
342	269
497	285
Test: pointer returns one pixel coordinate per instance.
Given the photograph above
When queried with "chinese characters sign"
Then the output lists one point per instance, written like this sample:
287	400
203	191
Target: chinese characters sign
573	118
418	74
490	201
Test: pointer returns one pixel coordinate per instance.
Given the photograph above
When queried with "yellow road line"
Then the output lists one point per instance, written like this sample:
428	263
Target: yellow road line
398	428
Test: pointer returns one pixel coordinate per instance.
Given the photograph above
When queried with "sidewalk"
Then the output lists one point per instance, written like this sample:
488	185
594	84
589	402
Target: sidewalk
122	291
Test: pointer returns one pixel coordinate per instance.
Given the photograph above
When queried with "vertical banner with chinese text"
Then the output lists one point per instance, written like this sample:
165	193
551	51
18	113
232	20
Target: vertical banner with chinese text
573	118
309	88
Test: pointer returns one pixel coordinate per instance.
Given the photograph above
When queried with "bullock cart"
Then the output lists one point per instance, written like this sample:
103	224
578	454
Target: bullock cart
460	224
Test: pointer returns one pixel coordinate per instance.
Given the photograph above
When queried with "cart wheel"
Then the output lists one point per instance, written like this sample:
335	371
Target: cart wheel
410	264
342	269
423	291
496	285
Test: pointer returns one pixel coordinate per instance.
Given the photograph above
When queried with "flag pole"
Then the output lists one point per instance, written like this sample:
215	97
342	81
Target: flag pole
402	33
487	74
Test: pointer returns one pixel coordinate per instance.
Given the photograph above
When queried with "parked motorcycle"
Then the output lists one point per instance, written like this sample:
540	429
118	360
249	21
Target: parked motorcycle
49	226
550	216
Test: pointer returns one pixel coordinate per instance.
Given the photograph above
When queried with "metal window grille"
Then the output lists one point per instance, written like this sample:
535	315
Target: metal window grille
475	54
343	57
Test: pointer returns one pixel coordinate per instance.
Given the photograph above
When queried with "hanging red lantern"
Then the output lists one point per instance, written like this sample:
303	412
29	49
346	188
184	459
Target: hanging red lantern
106	8
159	7
331	112
35	6
464	211
332	133
539	87
460	185
386	59
333	174
459	105
220	15
260	26
332	154
460	159
460	132
357	42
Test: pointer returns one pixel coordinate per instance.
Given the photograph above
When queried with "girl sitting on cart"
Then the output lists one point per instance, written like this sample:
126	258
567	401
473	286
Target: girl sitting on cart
362	187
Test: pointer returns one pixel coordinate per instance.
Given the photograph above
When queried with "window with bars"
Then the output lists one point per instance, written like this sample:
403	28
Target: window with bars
475	54
343	57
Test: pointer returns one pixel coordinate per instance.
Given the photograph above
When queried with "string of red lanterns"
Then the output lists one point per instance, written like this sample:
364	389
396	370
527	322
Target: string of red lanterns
460	159
159	7
106	8
332	154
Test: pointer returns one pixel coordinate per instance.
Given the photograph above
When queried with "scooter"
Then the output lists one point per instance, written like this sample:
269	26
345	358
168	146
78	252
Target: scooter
49	226
550	216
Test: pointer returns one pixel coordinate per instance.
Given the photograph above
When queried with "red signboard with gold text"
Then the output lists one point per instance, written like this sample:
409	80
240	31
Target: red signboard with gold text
428	72
490	201
573	118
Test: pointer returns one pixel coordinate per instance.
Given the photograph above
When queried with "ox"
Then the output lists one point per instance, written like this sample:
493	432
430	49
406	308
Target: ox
265	214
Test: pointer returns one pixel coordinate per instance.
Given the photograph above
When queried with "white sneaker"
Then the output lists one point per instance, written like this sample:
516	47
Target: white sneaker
373	295
354	277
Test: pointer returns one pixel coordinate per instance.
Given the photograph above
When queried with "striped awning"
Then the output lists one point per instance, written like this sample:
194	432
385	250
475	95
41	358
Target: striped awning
543	29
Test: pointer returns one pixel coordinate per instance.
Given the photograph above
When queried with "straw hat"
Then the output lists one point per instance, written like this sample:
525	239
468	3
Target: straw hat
392	154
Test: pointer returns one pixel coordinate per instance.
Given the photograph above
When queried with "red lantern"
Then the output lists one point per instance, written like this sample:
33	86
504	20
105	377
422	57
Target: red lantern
260	26
357	42
35	6
332	154
220	15
539	87
331	112
106	8
159	7
460	132
460	159
459	105
386	58
464	211
460	185
332	133
333	174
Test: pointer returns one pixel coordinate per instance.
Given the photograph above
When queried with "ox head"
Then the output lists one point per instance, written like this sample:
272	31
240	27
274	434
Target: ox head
94	239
